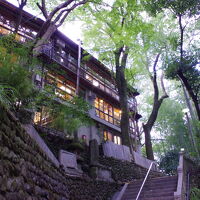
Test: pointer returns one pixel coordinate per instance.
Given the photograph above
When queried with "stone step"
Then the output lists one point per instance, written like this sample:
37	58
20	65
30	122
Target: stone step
159	198
151	195
145	191
152	186
158	179
160	188
150	198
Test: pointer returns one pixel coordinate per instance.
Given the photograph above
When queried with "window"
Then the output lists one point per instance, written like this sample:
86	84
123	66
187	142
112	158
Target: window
100	82
37	117
107	112
43	116
108	136
117	140
64	89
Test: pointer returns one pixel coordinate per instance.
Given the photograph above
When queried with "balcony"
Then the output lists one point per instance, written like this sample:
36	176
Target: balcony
85	72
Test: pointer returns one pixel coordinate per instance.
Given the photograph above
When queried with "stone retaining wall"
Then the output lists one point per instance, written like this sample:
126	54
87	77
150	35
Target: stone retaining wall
27	174
125	171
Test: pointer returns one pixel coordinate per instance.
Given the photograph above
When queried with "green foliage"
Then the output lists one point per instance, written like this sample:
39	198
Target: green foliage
189	67
76	146
179	7
12	70
16	86
8	96
169	162
195	194
71	115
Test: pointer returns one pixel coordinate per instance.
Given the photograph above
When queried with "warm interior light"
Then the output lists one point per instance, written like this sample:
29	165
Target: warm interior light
95	83
86	76
68	90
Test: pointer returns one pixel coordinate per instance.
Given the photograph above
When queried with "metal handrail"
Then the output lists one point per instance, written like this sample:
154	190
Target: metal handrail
144	180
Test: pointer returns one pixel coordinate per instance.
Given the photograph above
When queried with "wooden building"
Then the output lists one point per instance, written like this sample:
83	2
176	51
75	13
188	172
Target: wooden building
97	83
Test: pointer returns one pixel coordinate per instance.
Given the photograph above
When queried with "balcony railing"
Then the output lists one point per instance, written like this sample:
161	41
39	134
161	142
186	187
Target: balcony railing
84	73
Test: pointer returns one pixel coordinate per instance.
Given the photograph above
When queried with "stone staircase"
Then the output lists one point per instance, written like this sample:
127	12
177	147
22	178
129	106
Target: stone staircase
160	188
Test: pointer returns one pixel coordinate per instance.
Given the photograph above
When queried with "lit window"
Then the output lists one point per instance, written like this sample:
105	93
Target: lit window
117	140
107	136
63	88
107	112
37	117
95	83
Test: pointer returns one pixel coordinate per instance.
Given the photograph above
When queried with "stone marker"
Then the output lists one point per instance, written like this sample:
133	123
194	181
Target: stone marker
68	159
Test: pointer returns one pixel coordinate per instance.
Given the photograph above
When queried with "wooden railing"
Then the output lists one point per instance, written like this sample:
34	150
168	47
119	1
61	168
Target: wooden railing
184	168
84	73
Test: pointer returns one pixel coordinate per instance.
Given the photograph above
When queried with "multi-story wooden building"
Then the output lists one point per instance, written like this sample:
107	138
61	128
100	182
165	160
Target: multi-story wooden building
97	83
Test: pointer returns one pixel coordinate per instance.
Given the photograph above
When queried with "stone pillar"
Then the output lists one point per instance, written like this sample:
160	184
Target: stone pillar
94	152
94	158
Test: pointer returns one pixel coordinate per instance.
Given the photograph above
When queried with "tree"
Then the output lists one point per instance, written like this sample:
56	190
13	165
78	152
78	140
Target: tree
114	29
54	18
22	4
157	101
183	63
169	162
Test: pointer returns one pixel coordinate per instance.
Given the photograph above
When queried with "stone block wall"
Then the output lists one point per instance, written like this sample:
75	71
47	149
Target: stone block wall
124	171
27	174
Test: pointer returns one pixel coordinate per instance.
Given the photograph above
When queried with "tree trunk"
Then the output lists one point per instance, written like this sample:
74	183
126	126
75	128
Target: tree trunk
122	90
43	37
154	113
148	144
190	92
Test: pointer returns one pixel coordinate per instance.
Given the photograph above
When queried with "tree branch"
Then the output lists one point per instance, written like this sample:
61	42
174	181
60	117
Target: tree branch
59	7
125	56
43	8
155	84
67	12
163	86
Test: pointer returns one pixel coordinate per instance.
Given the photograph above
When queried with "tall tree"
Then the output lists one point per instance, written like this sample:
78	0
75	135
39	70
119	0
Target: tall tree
157	101
183	63
113	30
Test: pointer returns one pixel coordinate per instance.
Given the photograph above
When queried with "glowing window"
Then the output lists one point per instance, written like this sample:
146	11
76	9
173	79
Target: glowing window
107	112
63	88
117	140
